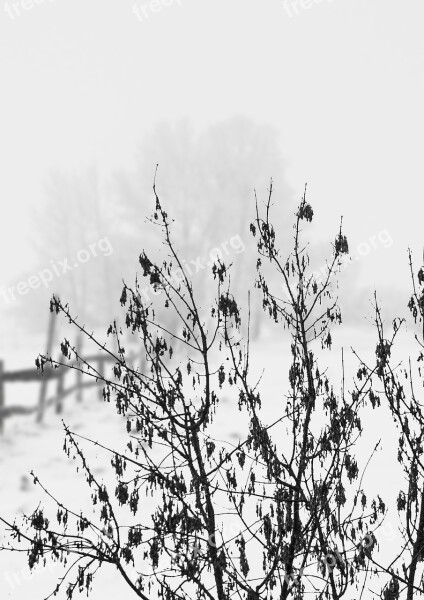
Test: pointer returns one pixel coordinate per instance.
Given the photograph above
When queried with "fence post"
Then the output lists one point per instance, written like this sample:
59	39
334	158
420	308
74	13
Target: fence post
43	388
101	370
79	394
143	362
79	384
59	390
1	396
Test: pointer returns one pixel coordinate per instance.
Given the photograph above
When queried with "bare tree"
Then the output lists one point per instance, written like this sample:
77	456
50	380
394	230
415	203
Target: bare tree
70	222
400	388
287	492
207	180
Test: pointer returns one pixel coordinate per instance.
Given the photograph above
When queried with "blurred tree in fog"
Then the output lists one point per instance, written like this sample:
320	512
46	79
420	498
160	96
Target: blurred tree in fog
206	180
283	513
71	256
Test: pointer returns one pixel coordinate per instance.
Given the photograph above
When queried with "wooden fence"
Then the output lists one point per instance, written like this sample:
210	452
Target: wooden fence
50	374
58	375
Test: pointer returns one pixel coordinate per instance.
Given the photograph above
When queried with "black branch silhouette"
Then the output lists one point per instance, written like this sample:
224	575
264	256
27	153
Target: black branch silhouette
280	514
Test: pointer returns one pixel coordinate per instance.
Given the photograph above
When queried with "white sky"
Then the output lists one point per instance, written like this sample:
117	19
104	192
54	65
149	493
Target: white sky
342	81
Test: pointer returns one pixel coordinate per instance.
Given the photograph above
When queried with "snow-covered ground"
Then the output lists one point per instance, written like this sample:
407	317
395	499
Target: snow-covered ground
26	446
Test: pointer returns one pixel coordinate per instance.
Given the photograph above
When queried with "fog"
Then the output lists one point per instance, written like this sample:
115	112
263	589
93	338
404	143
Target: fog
213	103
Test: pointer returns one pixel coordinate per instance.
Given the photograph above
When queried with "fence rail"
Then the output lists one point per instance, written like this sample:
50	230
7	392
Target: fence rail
49	374
57	374
24	375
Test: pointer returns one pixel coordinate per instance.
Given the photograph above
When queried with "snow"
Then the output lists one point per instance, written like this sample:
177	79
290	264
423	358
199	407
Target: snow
26	446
